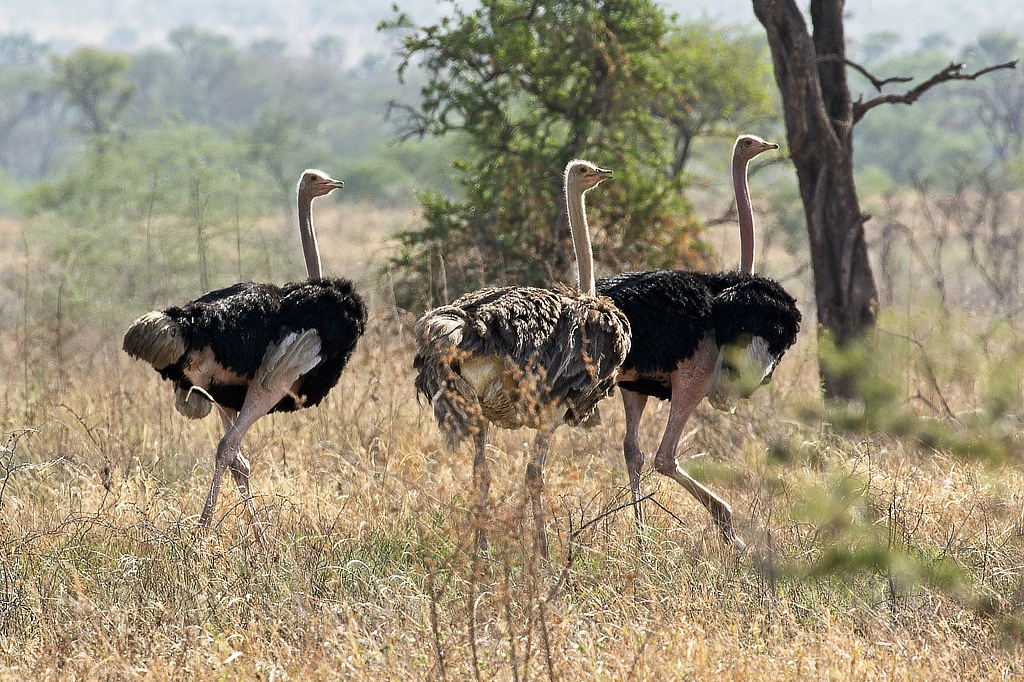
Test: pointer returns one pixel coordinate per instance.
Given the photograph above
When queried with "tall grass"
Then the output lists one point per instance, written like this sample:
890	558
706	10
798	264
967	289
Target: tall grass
882	545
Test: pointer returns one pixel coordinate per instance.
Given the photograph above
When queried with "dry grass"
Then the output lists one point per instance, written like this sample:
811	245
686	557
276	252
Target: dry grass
874	557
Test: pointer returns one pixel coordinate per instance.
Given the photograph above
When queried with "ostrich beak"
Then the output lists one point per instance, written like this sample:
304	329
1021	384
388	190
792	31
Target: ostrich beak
597	176
326	186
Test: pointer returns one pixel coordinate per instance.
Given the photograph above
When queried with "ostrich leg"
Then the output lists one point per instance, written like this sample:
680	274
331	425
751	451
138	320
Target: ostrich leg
282	366
535	485
634	404
257	404
482	485
240	468
689	386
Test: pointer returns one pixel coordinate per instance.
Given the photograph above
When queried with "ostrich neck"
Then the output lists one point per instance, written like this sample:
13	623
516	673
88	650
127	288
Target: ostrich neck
745	214
308	235
581	242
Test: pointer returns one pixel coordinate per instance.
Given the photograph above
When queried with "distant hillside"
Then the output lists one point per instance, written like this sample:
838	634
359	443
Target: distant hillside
129	24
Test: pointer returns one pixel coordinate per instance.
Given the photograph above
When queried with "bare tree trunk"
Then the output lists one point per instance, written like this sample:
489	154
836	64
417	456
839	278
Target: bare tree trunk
811	75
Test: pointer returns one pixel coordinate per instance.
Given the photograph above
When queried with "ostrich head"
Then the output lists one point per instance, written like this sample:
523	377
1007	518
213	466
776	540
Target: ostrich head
315	183
583	176
749	146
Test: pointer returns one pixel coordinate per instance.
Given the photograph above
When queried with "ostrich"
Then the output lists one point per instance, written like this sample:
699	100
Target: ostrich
717	335
523	356
255	348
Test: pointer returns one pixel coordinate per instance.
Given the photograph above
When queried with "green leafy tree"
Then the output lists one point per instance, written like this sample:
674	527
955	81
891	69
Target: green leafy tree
219	82
93	80
275	144
21	49
166	215
1000	100
719	86
531	85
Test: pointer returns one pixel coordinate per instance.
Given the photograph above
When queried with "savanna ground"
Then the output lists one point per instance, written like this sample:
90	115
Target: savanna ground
886	540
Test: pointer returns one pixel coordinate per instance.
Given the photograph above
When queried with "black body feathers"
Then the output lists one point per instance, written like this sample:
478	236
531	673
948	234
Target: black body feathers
754	306
670	311
240	322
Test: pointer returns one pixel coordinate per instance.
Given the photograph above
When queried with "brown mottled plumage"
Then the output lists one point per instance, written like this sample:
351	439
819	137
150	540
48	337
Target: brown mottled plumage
523	356
556	351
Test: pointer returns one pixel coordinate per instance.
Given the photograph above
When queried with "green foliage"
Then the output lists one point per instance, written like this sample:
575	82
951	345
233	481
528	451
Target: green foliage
719	85
862	530
93	80
292	111
896	374
8	191
21	49
951	132
533	86
158	217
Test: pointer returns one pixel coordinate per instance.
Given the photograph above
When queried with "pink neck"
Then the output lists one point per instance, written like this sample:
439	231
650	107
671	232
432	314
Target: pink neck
745	214
308	235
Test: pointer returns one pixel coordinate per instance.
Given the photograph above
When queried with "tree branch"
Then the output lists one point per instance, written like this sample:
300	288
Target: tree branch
877	82
950	73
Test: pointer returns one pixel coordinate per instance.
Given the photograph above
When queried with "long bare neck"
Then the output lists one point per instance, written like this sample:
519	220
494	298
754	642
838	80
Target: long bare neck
581	239
307	233
745	213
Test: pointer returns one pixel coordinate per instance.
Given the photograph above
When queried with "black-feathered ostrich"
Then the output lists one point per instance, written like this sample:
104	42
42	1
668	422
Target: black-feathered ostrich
523	356
717	335
255	348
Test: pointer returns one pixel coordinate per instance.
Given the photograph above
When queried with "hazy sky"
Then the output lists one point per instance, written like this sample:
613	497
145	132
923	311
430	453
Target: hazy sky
913	19
125	24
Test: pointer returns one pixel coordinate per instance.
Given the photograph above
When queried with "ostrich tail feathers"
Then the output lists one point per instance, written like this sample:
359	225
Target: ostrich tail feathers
440	329
455	403
155	338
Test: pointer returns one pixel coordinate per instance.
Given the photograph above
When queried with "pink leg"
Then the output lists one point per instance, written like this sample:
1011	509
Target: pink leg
690	383
634	404
240	467
258	402
282	366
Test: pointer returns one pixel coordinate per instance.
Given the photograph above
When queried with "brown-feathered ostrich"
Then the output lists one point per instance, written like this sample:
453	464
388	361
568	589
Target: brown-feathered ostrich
523	356
717	335
255	348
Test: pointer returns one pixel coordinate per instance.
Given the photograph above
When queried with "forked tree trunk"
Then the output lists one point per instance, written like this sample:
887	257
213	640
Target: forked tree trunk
811	75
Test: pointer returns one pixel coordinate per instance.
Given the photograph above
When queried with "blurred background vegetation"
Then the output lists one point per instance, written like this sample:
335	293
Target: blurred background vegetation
141	176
